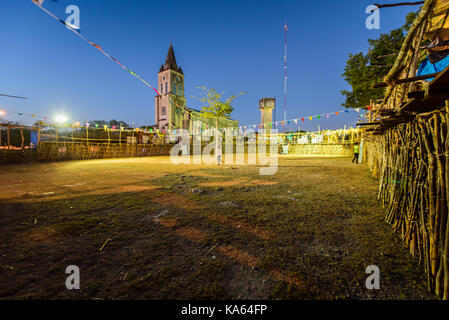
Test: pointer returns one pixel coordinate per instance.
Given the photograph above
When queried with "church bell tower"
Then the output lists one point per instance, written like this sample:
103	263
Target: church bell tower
170	103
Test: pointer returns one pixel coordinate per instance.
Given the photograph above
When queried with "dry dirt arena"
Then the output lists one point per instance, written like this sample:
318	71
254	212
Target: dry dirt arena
144	228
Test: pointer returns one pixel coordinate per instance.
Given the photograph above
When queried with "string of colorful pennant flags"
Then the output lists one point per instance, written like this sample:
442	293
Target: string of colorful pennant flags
38	3
302	119
271	125
204	126
86	124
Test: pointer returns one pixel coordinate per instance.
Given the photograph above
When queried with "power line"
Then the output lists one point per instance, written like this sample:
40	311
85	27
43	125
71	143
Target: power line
398	4
9	96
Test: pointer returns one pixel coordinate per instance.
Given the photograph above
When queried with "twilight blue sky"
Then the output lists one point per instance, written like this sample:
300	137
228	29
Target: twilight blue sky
233	45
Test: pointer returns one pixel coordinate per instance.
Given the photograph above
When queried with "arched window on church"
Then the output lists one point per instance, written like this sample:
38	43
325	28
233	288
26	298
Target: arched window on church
174	87
180	90
166	88
162	88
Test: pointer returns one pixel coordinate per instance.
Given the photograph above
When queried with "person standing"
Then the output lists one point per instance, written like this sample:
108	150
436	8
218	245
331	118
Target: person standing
219	156
356	152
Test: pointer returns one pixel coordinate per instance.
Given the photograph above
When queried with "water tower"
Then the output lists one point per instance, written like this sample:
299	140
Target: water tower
266	107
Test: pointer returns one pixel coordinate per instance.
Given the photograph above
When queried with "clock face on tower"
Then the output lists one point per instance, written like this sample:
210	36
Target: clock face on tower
163	111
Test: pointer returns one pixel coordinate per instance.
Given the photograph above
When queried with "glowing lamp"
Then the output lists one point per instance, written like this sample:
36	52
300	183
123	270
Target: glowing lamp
60	119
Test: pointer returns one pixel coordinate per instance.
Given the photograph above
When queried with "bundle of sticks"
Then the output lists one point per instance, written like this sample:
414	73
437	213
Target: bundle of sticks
414	187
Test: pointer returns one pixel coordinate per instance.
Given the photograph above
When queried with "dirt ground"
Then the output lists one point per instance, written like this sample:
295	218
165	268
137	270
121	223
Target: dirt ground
146	229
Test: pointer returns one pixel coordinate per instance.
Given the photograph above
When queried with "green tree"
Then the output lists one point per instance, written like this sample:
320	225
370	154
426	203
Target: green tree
4	121
215	105
99	122
110	123
39	123
118	123
362	70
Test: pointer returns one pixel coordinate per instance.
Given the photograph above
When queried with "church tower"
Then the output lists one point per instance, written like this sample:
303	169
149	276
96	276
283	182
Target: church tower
171	89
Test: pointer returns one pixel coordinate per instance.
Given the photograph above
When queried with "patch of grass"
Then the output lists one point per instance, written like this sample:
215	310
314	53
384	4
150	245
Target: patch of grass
316	222
76	227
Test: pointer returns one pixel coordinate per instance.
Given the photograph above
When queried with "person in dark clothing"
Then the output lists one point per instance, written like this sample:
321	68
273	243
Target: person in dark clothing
356	152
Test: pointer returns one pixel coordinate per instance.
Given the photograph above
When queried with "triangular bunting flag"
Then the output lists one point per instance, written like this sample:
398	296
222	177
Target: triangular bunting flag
38	2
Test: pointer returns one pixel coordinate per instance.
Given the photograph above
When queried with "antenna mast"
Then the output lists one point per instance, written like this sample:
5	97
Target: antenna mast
285	69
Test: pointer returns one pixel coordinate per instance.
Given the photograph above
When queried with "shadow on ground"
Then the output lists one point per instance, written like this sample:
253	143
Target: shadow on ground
199	232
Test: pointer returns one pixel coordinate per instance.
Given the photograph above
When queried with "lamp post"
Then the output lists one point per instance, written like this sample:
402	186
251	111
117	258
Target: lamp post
59	119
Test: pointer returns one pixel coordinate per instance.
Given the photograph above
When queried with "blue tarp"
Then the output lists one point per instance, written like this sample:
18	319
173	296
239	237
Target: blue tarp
33	139
427	68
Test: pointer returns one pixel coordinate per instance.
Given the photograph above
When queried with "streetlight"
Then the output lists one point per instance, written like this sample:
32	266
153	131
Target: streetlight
60	119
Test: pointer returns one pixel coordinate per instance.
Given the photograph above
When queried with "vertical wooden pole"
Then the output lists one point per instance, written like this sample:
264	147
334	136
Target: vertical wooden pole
37	143
445	248
23	139
8	137
87	139
72	145
132	139
120	135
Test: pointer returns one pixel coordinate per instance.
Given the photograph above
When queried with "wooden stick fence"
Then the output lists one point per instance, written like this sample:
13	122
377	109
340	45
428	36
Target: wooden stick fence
412	163
53	150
